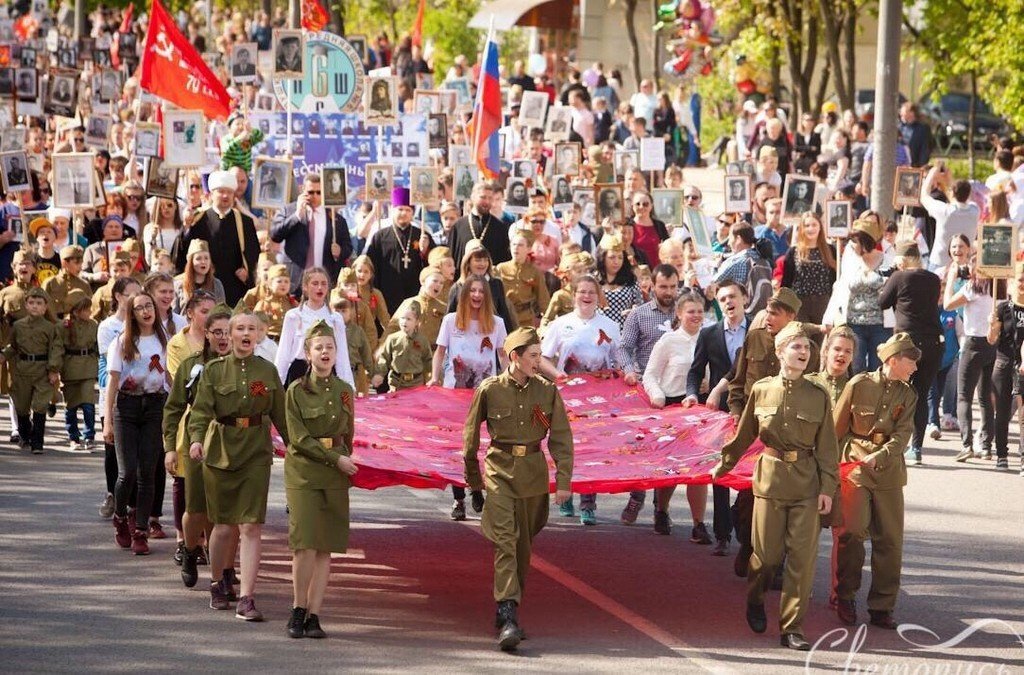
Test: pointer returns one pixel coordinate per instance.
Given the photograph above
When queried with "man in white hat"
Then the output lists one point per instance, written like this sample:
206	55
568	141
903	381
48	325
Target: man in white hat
231	234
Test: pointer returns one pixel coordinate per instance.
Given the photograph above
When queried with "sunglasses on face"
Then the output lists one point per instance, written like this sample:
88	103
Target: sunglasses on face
689	197
135	197
195	187
312	192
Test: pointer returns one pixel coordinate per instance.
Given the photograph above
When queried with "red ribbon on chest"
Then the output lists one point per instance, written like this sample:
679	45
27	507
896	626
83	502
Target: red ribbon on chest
541	417
486	344
154	363
602	337
257	389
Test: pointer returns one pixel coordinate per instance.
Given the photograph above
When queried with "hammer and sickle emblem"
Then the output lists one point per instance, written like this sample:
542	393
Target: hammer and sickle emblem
164	48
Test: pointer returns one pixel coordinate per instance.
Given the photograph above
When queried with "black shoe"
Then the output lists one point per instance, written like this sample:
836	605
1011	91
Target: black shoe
721	548
795	641
477	500
459	510
179	552
662	524
742	563
883	619
699	534
189	566
509	635
846	610
297	622
756	618
313	629
51	409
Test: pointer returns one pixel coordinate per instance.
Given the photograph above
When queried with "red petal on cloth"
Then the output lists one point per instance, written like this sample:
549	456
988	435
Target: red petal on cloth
621	443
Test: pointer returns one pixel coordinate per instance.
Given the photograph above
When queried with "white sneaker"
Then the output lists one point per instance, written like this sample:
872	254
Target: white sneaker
934	432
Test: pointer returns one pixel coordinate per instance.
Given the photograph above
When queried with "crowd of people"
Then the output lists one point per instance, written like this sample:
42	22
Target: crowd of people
195	323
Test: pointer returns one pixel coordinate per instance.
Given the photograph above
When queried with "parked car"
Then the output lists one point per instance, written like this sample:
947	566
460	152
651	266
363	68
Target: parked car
948	116
864	104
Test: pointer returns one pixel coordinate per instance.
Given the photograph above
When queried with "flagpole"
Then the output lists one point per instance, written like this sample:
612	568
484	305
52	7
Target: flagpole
479	94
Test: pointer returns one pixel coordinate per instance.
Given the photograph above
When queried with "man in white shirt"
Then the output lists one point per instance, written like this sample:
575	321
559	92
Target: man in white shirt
959	217
644	102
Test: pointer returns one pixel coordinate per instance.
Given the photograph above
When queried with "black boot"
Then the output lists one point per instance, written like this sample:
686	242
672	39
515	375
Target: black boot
297	623
38	431
189	566
24	431
509	636
756	618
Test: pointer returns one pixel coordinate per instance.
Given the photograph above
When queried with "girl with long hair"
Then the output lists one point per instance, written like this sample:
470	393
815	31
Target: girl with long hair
136	391
199	274
809	268
164	226
618	283
291	360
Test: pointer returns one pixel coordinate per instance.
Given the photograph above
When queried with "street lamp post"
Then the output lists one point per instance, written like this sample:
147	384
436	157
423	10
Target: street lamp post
887	85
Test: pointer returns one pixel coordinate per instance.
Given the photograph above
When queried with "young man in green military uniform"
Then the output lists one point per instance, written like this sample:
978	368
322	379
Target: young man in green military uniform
794	480
525	288
58	287
521	410
755	361
874	422
34	353
432	310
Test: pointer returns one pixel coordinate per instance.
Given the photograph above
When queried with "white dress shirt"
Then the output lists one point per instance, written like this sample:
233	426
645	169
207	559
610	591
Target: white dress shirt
319	234
293	339
669	365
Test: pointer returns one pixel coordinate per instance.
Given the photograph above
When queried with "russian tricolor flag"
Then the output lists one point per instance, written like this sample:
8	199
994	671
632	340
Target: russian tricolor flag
487	115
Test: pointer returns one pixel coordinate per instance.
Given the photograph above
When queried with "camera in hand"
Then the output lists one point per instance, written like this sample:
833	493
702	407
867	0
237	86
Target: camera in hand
963	272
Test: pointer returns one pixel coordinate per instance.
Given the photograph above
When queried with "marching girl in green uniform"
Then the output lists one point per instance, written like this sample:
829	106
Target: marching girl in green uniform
238	397
320	413
177	461
80	367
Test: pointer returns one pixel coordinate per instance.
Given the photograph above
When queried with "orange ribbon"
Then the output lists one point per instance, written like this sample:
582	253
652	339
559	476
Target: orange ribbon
540	417
257	389
486	344
154	363
602	337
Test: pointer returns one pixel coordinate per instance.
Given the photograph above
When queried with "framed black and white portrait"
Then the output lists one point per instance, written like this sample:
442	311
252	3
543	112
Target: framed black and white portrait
460	86
334	183
567	159
907	188
243	62
798	196
532	109
426	102
73	180
738	194
380	101
26	84
466	176
997	249
28	57
101	58
437	130
358	43
668	206
525	169
272	179
423	187
106	86
559	124
147	139
459	154
379	182
583	198
625	160
183	135
608	202
63	95
838	218
159	179
289	55
561	193
97	130
15	170
13	139
517	196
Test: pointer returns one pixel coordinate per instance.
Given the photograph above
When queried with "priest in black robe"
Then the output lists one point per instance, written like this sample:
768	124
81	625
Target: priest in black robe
231	235
480	224
398	251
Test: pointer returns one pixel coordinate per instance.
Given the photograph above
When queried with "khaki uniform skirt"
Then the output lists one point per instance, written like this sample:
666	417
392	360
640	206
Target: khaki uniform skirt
237	497
318	519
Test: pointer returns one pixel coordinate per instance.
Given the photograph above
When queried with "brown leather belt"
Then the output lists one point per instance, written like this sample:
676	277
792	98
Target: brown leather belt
523	306
241	422
787	455
79	352
516	450
877	438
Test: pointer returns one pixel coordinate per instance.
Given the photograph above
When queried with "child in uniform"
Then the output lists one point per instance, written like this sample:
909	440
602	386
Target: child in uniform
59	286
278	302
405	357
79	371
359	353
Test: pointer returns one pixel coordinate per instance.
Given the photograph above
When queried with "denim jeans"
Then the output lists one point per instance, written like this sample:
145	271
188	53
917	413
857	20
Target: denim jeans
977	359
139	445
869	336
1004	384
88	416
944	392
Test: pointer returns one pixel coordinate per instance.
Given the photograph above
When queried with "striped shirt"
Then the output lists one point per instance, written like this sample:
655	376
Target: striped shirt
238	151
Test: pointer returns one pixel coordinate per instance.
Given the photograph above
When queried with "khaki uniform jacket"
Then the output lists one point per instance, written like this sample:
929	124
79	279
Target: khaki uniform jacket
359	353
787	415
364	317
77	367
103	301
374	301
432	312
756	360
518	415
177	407
561	303
405	355
833	385
58	288
873	404
525	290
35	336
12	308
234	387
326	412
275	309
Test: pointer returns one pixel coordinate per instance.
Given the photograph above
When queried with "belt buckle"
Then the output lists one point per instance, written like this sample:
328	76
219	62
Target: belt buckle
790	456
327	442
519	451
242	422
408	377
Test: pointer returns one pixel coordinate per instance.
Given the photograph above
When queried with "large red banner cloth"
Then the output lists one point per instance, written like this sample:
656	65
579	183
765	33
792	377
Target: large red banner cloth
414	438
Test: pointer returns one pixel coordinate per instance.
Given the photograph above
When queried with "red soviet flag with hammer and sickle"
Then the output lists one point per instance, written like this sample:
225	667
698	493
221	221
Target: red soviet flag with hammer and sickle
173	70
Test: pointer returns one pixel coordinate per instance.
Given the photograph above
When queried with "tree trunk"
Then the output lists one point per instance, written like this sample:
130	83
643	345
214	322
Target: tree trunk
831	26
819	96
634	44
970	123
267	7
337	11
848	97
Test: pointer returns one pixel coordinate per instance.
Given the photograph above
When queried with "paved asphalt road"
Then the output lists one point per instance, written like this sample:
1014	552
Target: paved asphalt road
413	594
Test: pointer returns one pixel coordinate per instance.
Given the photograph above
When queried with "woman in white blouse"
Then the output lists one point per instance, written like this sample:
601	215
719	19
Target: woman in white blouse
665	383
583	341
291	356
136	392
